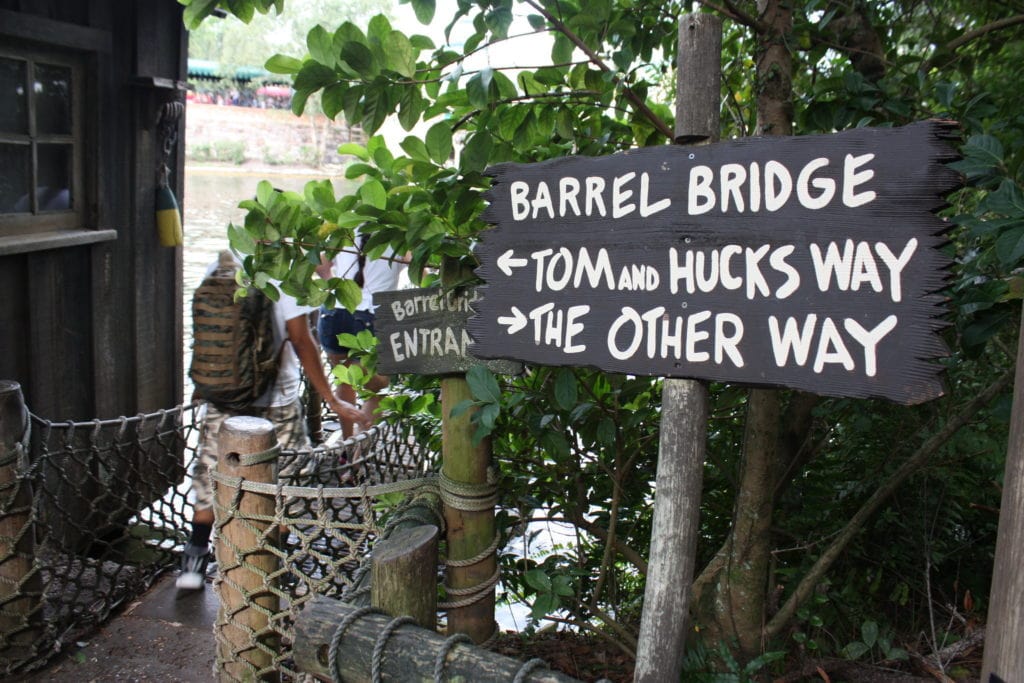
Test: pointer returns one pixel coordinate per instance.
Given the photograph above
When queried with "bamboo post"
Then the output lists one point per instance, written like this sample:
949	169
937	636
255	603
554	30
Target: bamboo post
470	532
246	644
1004	633
406	652
404	574
20	615
682	445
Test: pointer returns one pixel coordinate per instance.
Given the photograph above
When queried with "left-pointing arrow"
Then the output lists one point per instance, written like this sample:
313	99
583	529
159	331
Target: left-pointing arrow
506	262
515	322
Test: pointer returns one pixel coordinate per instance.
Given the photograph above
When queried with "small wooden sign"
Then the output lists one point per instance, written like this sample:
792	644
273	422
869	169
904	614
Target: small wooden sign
807	262
423	332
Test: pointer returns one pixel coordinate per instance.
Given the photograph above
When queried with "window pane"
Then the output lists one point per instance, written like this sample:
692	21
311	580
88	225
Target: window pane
53	99
14	107
54	173
15	172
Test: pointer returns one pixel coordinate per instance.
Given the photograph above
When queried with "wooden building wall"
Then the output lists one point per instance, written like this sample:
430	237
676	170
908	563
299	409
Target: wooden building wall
90	320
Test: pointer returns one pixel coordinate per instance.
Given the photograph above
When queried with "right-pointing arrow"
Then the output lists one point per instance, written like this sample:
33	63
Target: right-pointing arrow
515	322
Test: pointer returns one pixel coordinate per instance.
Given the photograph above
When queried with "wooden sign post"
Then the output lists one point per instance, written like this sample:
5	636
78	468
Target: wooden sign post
806	262
1004	633
682	438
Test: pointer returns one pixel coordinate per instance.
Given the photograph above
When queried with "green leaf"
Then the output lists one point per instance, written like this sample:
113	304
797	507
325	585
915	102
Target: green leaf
359	57
561	51
411	105
985	148
476	90
373	193
332	100
1007	200
355	149
1010	246
538	580
415	148
197	11
283	64
264	192
424	10
439	142
461	407
545	604
240	240
320	45
606	432
376	107
400	55
499	20
869	633
378	28
483	384
349	294
313	76
563	586
476	153
855	650
565	389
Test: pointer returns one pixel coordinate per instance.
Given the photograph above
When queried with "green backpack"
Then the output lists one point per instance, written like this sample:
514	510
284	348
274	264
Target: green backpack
234	358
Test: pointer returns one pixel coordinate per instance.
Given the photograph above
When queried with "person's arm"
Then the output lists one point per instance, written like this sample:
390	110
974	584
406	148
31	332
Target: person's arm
326	268
309	355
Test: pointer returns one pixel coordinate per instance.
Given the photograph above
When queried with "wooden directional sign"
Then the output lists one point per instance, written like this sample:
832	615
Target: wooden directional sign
423	332
807	262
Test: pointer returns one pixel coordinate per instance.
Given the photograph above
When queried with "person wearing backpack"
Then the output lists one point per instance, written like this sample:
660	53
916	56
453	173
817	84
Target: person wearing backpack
229	377
374	275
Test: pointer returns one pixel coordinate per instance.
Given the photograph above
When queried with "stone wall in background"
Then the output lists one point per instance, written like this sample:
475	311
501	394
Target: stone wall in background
267	137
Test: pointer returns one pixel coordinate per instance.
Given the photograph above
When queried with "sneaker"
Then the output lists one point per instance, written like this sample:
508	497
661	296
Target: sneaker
194	561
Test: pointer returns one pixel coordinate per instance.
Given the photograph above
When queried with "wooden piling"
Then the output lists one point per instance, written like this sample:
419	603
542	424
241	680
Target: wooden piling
246	644
19	618
409	653
404	573
469	532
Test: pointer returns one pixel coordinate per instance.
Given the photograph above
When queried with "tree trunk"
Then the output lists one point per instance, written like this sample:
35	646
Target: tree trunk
731	594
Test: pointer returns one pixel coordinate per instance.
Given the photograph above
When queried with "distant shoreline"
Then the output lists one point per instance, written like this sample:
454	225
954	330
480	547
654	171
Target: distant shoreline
257	169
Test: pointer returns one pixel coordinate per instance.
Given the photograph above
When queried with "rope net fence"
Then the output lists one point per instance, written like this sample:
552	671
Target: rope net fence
91	513
328	507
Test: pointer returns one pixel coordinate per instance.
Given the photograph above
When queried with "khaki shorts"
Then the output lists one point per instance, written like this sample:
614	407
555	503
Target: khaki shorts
289	424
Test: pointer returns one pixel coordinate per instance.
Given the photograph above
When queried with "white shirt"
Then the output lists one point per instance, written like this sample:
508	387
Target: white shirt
379	275
285	389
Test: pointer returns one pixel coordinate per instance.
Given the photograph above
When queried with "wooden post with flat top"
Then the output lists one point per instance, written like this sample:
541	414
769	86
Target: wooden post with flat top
246	644
470	532
20	616
682	445
404	574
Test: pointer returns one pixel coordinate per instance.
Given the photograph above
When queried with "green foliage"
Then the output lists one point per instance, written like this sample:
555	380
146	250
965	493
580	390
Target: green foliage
702	664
